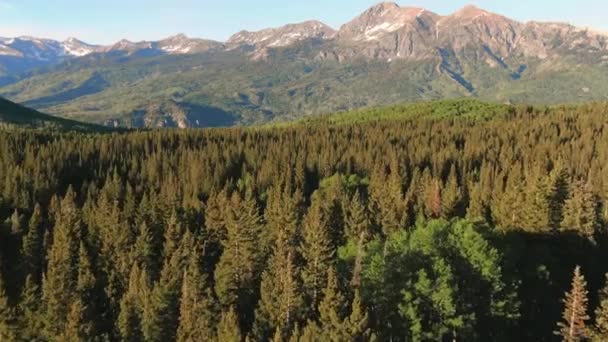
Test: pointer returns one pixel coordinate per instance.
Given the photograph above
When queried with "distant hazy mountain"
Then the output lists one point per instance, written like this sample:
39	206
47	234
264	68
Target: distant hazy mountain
387	54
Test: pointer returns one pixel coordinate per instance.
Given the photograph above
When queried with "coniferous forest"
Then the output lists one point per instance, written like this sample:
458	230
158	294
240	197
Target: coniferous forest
414	229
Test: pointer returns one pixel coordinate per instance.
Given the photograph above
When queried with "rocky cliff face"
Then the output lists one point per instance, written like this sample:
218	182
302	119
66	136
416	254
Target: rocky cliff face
388	31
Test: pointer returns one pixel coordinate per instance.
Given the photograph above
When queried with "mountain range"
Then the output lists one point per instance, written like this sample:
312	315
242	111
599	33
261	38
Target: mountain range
388	54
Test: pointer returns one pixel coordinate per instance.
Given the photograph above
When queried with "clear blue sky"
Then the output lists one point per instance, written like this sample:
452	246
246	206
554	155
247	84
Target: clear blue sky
110	20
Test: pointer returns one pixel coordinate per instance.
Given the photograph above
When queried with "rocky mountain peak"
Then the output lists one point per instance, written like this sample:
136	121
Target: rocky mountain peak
78	48
182	44
471	11
284	35
383	8
180	37
383	19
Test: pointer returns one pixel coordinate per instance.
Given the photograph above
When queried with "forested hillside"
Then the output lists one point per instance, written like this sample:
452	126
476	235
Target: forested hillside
462	224
15	115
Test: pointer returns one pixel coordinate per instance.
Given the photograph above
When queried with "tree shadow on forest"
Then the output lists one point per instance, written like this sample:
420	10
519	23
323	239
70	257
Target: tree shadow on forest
543	265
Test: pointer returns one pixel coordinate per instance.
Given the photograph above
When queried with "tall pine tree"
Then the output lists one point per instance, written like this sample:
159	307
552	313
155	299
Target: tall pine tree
317	252
198	310
573	326
61	278
601	315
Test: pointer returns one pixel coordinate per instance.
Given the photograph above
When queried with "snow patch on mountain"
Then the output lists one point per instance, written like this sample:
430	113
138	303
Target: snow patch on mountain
375	32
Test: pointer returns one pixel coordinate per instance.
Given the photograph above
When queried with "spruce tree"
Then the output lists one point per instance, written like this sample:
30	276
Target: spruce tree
144	250
331	310
30	324
129	320
166	293
581	211
236	273
601	315
433	205
198	311
7	316
228	327
31	248
115	239
356	218
537	214
358	230
387	200
573	327
507	206
60	280
282	214
317	252
451	195
280	300
558	194
215	214
356	326
85	287
153	300
76	328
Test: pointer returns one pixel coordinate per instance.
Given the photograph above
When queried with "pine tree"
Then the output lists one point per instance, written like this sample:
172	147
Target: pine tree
581	211
228	328
282	214
166	292
144	250
358	229
30	324
280	292
331	310
573	327
507	206
115	238
129	319
31	248
558	190
451	195
537	211
236	273
7	316
197	317
76	327
387	201
154	304
317	252
215	214
60	280
311	332
433	199
16	223
477	208
356	218
601	315
173	234
85	287
356	325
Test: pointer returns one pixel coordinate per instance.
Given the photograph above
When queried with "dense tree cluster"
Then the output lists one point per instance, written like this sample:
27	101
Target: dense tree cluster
420	229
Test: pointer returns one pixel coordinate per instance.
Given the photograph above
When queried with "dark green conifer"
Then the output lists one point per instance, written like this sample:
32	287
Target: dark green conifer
61	278
198	310
317	252
228	328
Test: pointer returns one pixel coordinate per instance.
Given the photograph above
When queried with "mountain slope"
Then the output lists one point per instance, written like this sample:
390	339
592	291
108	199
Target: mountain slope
388	54
14	115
